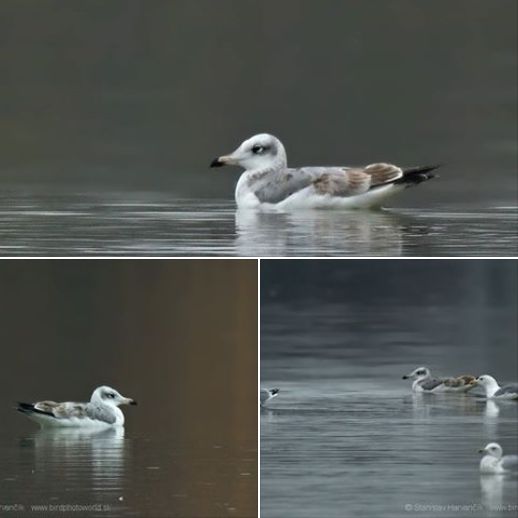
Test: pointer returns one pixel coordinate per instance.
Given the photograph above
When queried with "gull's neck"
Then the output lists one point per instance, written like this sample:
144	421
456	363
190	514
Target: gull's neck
491	388
280	162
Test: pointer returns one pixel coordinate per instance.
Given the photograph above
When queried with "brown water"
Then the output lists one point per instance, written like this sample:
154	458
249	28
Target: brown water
180	337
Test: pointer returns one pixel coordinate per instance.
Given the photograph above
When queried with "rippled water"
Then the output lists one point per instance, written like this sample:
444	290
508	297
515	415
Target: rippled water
151	224
346	437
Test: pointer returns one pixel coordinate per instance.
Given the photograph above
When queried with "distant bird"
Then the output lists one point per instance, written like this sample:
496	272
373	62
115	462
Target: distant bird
267	394
425	382
494	390
102	410
268	182
494	462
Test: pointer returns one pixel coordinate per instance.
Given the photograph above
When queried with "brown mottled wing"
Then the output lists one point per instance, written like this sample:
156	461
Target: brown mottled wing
276	186
354	181
383	173
347	182
460	381
61	410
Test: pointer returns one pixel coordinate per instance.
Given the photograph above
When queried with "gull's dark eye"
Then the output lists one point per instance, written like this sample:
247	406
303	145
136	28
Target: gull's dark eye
257	149
420	372
111	395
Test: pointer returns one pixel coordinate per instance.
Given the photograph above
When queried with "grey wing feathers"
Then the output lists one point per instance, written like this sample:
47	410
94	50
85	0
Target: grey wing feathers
100	413
507	390
276	186
280	185
431	383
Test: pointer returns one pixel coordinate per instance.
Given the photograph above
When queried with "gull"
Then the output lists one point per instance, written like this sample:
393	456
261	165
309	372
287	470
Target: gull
101	410
267	394
425	382
494	390
268	182
494	461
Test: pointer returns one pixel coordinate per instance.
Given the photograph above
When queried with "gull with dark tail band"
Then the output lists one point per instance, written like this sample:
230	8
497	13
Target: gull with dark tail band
268	182
101	411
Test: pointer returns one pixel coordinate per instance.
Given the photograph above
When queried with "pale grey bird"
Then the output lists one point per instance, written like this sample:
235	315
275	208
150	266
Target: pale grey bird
495	462
268	182
494	390
102	410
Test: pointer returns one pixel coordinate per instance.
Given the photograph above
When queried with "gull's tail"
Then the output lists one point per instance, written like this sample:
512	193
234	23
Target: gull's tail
416	175
29	408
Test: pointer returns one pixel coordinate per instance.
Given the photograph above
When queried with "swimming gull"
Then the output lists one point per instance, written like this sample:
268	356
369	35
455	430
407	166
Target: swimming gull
267	394
494	462
101	410
425	382
268	182
494	390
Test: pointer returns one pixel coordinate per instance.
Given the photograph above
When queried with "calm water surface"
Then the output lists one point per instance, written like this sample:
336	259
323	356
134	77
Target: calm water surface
117	473
153	224
346	437
67	327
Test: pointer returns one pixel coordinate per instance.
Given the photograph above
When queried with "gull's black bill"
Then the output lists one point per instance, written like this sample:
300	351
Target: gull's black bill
216	163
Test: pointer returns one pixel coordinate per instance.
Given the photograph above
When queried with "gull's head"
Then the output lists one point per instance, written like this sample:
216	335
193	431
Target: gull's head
109	396
259	152
486	381
493	449
417	374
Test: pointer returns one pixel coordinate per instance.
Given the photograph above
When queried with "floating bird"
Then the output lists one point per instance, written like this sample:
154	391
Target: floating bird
495	462
425	382
101	410
494	390
268	182
267	394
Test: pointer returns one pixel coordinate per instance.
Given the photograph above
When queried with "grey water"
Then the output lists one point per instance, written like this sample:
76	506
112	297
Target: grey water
35	223
118	131
346	437
189	448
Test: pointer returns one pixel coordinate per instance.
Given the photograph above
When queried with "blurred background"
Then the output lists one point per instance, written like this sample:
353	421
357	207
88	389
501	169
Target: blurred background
141	95
178	336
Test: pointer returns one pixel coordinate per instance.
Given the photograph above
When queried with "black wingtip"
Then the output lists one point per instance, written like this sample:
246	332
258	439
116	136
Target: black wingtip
216	163
274	391
26	408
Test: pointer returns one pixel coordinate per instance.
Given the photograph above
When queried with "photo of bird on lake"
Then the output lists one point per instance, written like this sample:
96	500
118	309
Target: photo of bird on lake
353	416
112	378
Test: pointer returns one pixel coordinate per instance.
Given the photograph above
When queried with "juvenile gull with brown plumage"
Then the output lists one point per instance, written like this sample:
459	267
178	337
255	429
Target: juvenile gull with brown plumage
102	410
425	382
268	182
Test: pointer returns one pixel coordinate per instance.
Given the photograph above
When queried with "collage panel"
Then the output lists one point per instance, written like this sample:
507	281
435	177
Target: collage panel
389	388
171	344
346	130
259	258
